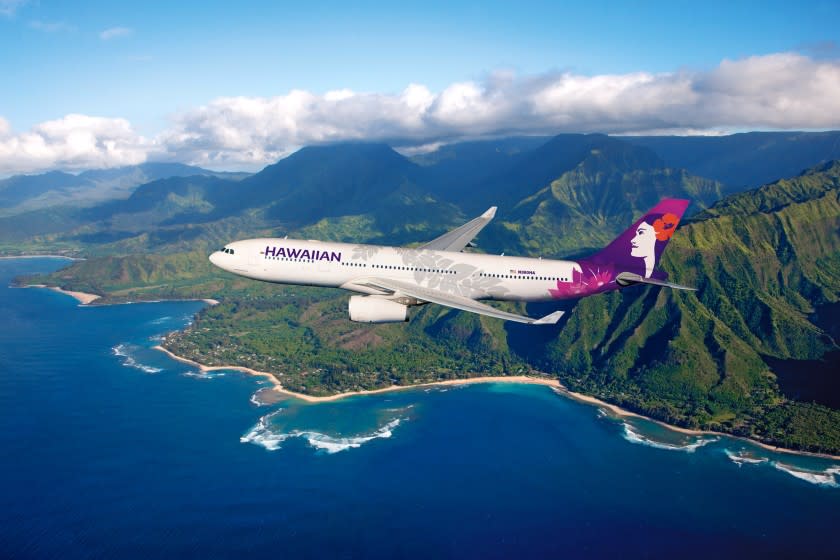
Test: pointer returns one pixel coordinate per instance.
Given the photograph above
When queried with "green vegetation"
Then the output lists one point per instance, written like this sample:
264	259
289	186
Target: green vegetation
308	341
763	261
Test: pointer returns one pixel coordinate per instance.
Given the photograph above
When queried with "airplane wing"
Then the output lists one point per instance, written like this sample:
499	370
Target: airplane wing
397	288
459	238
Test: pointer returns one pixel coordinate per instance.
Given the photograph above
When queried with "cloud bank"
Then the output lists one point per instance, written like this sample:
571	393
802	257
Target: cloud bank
72	142
777	91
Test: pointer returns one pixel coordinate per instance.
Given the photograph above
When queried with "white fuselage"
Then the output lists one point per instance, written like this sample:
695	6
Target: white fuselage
346	265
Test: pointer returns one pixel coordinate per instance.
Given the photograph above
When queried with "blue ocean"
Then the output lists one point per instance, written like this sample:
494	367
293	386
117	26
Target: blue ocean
110	449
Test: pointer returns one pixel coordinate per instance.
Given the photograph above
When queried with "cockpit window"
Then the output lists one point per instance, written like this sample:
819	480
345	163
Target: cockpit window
226	250
230	251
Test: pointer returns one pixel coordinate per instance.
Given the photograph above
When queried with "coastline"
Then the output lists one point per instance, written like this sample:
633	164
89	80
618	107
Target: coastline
278	386
618	411
555	384
82	297
86	299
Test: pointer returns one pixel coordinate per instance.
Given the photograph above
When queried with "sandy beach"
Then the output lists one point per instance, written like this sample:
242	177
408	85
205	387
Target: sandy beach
278	386
82	297
85	298
553	383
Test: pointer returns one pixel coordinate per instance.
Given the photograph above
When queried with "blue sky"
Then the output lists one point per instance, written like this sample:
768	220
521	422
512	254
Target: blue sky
165	59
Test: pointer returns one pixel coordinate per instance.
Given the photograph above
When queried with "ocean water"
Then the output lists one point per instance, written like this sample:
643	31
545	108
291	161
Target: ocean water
111	449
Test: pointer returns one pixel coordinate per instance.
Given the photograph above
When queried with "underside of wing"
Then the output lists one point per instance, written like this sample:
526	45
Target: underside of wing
402	290
459	238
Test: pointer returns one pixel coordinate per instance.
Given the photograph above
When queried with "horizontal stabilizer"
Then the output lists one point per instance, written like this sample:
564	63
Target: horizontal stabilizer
550	319
629	278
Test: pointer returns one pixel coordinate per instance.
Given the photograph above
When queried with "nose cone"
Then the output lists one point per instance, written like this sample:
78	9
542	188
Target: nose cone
215	258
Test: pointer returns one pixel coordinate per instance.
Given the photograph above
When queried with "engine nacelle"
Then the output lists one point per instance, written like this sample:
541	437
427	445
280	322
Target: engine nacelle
369	309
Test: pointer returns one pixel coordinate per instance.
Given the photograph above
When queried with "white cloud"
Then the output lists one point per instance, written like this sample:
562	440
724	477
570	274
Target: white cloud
72	142
115	33
784	91
778	91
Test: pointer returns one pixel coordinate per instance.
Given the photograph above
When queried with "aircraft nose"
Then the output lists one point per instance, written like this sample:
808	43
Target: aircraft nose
214	258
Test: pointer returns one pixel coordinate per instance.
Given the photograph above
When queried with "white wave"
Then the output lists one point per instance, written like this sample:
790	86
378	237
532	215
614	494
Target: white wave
261	434
827	477
255	400
633	436
203	374
335	444
744	459
121	351
160	320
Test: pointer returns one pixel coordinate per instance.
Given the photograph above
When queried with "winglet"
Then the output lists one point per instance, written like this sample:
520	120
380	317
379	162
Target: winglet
550	319
459	238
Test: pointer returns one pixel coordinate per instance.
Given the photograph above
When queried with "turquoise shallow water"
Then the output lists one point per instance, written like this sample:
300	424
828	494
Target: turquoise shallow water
111	449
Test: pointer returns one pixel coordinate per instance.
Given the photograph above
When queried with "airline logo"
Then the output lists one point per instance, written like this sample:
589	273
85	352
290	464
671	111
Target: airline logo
302	254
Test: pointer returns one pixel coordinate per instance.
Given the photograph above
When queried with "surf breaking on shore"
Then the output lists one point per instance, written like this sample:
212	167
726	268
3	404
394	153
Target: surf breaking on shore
278	385
553	383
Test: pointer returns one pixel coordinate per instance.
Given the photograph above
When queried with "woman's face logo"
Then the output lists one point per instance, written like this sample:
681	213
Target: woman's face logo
644	242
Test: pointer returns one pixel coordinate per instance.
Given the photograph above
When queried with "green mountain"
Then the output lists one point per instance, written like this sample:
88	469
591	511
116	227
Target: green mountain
567	190
350	191
358	190
25	193
762	268
454	170
745	160
764	261
19	188
588	204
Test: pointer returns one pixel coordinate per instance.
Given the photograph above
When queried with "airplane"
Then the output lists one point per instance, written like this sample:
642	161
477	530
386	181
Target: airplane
393	279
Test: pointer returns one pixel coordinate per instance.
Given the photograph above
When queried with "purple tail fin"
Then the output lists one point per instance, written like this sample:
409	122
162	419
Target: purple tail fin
639	249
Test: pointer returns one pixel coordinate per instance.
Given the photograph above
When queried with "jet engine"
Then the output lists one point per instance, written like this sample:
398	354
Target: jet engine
371	309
